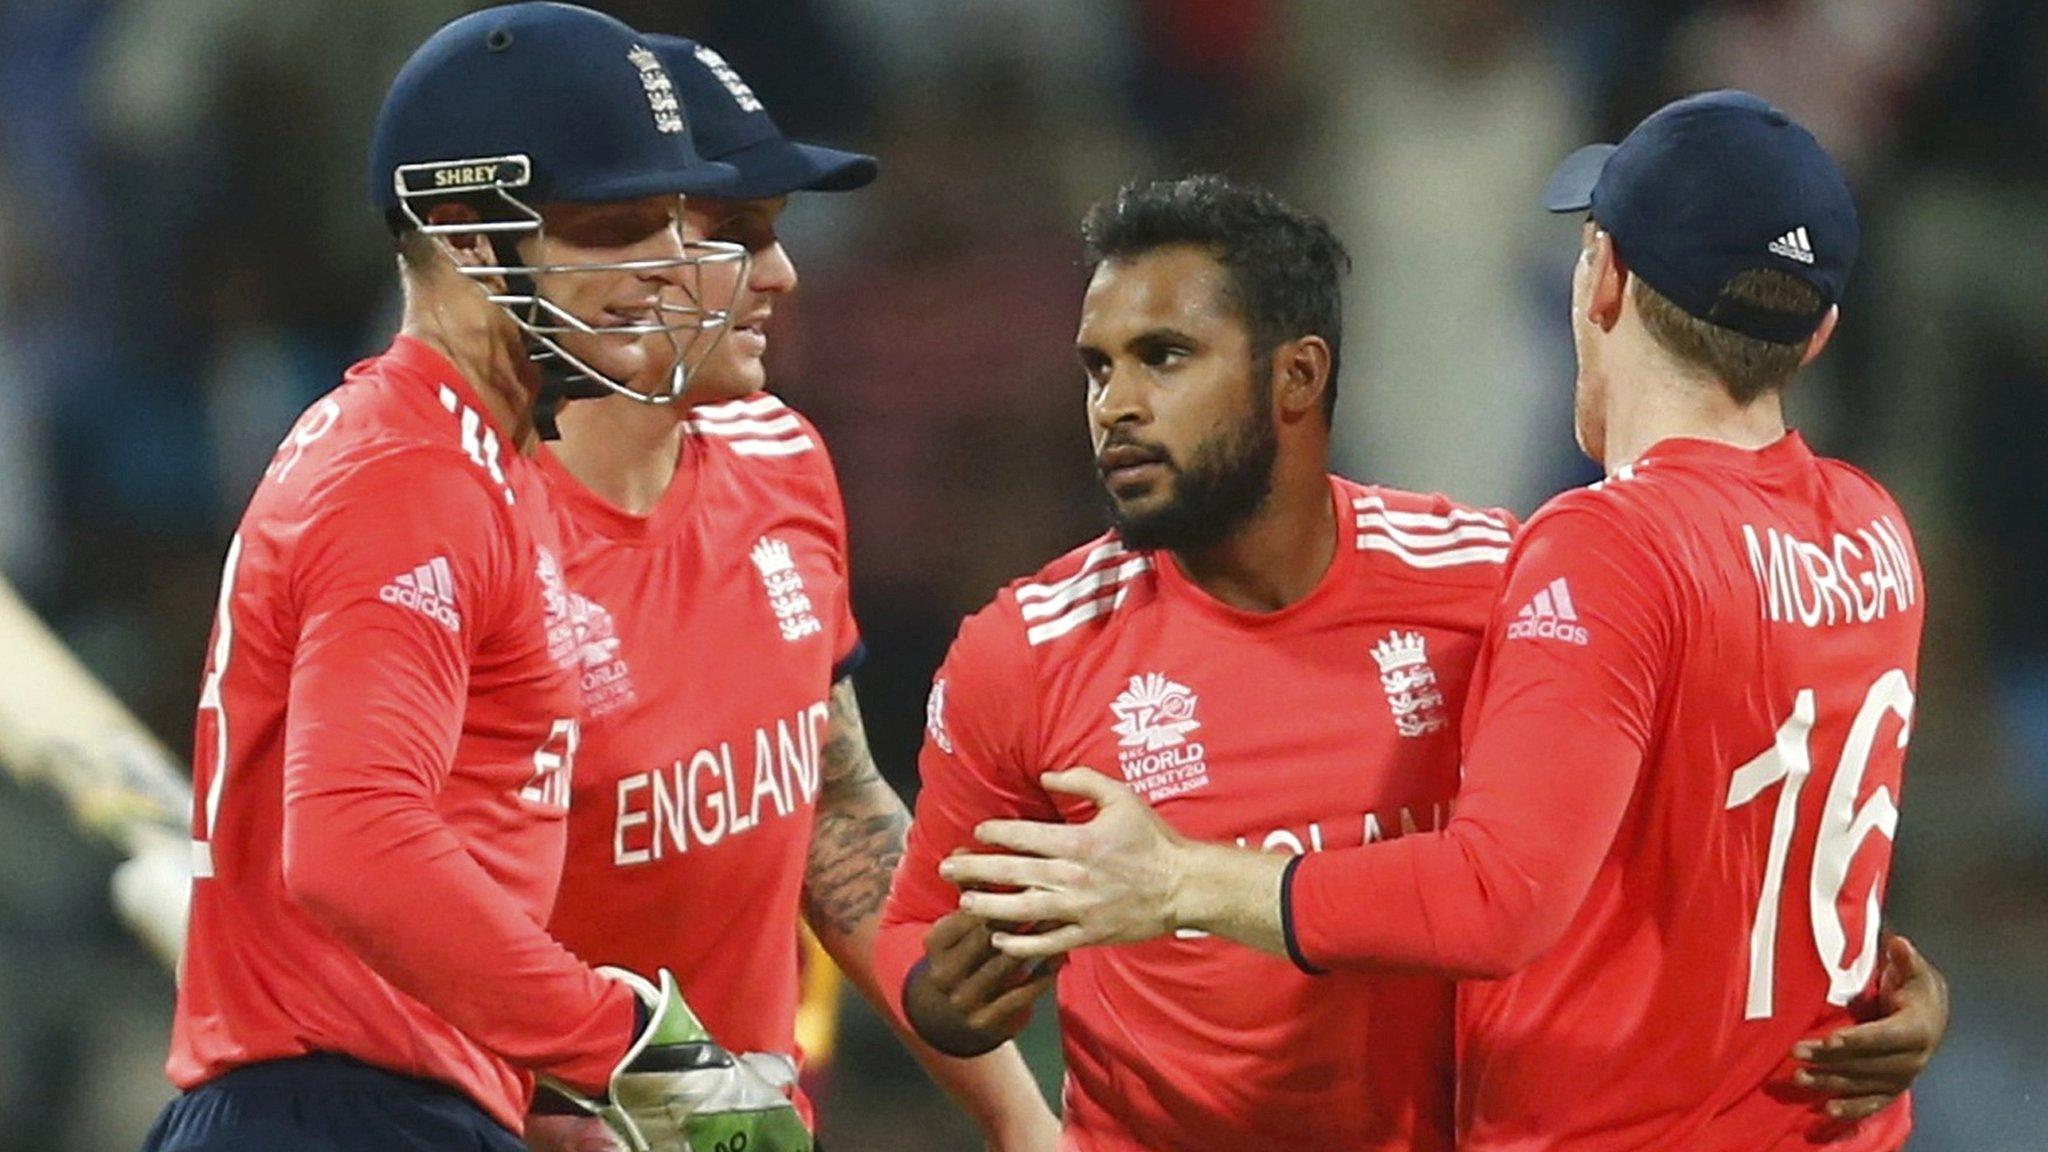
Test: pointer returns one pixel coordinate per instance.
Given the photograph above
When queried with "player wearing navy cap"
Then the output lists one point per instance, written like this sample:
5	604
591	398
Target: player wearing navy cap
707	549
389	717
1687	726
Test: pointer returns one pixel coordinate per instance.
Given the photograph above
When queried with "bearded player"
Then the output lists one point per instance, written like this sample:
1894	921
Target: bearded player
724	785
1273	657
388	719
1689	719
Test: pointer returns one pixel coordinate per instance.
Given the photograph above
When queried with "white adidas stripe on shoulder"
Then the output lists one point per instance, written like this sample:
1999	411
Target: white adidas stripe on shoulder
1621	475
1081	589
772	447
1097	557
1055	608
1433	535
1054	629
779	426
739	409
758	445
761	426
1449	558
1106	600
1431	539
1378	505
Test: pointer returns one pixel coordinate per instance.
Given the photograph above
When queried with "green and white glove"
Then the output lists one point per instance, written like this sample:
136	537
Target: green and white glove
678	1090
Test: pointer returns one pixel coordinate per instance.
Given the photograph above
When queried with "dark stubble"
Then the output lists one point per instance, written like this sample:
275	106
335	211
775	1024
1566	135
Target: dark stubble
1225	480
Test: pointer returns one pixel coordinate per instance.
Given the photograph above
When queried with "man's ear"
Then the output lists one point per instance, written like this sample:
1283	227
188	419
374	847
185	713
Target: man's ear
1610	280
1821	335
466	249
1301	375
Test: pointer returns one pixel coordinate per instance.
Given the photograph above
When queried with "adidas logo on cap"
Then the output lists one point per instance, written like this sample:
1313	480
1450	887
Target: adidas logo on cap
1550	616
1794	245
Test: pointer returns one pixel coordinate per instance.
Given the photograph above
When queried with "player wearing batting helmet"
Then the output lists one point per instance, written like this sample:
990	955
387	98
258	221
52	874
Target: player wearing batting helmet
707	548
389	717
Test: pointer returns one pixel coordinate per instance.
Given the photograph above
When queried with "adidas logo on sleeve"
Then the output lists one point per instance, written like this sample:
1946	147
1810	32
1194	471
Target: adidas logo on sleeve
1549	616
429	590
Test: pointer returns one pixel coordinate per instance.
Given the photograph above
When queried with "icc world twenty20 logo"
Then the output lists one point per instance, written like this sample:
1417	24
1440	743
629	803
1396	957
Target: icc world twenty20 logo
1154	713
1154	717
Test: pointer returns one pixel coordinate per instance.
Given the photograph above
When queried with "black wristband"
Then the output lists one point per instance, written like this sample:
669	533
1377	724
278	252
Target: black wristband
1287	920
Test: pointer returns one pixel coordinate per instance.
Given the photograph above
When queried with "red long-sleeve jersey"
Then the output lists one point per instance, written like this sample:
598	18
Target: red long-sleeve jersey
714	629
386	731
1327	724
1683	757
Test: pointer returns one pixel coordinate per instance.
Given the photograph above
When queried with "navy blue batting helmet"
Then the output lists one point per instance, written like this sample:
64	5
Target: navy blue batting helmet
560	101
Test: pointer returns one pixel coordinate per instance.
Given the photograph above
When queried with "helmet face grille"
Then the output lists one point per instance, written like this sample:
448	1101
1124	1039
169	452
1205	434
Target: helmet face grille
685	315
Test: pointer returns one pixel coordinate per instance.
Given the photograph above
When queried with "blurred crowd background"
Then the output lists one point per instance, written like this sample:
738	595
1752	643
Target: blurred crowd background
187	259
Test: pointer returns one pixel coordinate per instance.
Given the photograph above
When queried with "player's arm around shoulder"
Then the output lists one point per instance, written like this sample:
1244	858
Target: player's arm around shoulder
1577	645
856	846
1867	1067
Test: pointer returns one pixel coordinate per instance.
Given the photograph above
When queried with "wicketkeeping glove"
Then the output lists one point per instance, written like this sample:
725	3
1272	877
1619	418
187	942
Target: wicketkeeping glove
678	1090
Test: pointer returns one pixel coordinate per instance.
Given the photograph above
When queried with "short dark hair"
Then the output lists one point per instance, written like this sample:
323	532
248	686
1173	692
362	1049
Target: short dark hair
1285	268
1746	366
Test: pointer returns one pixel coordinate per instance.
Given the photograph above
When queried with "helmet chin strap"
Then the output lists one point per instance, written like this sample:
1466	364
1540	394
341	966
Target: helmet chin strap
559	383
548	401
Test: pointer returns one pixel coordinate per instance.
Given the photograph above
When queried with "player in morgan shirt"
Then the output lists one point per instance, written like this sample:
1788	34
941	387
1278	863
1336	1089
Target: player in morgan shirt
388	719
724	786
1688	724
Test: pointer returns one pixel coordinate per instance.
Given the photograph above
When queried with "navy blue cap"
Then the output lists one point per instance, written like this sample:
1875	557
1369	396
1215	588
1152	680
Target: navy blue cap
733	128
575	94
1709	187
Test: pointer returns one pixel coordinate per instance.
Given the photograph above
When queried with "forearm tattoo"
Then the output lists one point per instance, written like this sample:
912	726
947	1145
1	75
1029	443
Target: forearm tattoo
858	838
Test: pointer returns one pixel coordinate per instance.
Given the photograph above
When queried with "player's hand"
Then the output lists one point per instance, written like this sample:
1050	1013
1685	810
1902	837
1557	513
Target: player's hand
569	1134
678	1090
968	998
1112	880
1866	1068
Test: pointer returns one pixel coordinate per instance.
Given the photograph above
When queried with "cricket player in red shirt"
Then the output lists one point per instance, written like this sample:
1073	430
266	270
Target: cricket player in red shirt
724	787
389	716
1688	723
1273	657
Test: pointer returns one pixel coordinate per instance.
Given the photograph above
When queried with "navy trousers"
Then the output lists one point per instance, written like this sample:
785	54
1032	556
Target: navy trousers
324	1103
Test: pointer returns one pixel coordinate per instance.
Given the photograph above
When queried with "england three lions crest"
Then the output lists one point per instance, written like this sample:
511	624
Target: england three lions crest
1410	683
784	584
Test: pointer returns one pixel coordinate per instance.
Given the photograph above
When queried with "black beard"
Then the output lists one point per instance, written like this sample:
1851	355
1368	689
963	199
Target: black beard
1227	479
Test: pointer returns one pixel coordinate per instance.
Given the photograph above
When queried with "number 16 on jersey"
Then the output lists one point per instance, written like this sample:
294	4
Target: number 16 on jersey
1841	830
